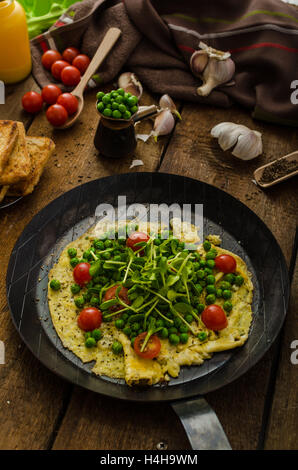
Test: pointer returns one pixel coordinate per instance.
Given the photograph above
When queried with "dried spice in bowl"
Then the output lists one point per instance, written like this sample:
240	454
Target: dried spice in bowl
278	169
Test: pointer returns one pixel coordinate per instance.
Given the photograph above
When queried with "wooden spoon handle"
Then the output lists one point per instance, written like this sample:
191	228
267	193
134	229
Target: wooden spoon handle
103	49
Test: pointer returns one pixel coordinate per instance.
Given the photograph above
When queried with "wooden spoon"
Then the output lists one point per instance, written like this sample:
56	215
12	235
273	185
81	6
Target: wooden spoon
104	48
291	157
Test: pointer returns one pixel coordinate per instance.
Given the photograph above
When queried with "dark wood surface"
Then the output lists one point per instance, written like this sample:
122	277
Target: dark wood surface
38	410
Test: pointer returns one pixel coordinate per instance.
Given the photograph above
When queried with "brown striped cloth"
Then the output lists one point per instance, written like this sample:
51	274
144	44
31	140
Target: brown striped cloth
159	37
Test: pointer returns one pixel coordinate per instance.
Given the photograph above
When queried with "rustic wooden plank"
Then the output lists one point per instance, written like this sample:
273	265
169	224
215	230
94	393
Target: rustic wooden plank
192	152
32	398
282	429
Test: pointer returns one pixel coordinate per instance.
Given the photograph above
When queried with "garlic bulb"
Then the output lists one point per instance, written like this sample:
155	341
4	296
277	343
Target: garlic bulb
214	67
130	83
164	123
166	102
248	143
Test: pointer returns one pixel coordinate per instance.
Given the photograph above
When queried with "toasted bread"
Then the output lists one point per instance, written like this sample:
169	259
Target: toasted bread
18	166
40	150
3	192
8	136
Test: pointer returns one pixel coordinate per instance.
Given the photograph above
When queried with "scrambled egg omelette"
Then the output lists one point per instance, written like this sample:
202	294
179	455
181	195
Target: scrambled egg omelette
199	342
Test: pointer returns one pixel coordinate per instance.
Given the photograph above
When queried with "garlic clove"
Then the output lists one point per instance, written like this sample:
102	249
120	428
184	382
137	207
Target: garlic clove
130	83
247	143
166	102
216	73
164	123
198	62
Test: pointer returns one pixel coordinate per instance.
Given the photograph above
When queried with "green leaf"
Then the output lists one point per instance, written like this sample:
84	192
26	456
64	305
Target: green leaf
183	308
172	279
108	303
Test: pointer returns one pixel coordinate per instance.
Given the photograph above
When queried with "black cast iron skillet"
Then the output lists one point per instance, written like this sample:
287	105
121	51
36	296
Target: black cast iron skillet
241	231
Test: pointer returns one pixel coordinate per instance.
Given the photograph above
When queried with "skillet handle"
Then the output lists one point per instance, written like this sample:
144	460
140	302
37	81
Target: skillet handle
201	424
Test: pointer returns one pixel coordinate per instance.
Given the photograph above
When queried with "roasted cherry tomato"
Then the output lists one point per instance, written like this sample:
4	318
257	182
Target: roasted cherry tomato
214	318
57	68
69	102
49	57
135	238
50	94
82	62
225	263
152	348
89	319
81	274
70	76
32	102
70	53
111	294
57	115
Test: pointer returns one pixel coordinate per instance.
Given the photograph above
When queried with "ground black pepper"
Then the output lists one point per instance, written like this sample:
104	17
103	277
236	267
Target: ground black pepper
279	168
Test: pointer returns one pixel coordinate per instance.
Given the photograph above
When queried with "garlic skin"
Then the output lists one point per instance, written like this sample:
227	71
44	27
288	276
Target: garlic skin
166	102
164	124
130	84
219	68
247	142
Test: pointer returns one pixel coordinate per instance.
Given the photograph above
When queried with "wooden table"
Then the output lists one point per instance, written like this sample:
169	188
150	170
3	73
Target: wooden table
38	410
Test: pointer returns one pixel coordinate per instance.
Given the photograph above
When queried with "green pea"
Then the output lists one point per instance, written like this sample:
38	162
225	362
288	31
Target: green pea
94	301
183	328
201	274
230	278
79	302
202	336
210	263
119	324
100	95
90	343
199	288
188	318
99	245
122	108
117	347
100	106
207	270
87	255
106	255
119	99
75	288
127	331
211	289
211	254
132	101
55	284
72	252
126	96
201	307
206	245
133	109
174	339
115	105
218	293
120	91
227	306
164	333
114	94
160	323
210	299
210	279
202	263
96	334
74	262
184	338
227	294
177	322
135	326
116	114
239	280
132	341
173	330
107	112
225	285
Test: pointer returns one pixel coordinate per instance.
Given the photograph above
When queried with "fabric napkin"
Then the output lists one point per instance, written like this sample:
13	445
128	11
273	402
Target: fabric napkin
159	37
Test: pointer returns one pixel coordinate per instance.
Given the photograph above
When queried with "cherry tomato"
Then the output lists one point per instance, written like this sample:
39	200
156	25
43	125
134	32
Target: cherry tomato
225	263
69	102
214	318
89	319
82	62
50	94
134	238
49	57
57	115
152	348
57	68
32	102
81	274
70	76
111	294
70	53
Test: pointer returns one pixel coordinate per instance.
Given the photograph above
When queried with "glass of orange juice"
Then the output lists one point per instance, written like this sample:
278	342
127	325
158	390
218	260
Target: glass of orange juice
15	56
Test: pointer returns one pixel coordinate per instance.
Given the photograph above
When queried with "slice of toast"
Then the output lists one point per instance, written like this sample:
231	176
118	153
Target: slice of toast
18	166
8	137
3	191
40	149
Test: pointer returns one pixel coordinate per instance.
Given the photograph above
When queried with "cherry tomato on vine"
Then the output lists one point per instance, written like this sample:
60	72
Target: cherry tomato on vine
49	57
152	348
50	94
225	263
214	317
57	115
81	274
89	319
32	102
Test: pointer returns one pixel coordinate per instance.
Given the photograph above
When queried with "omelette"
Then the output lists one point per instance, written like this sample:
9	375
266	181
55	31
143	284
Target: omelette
169	292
